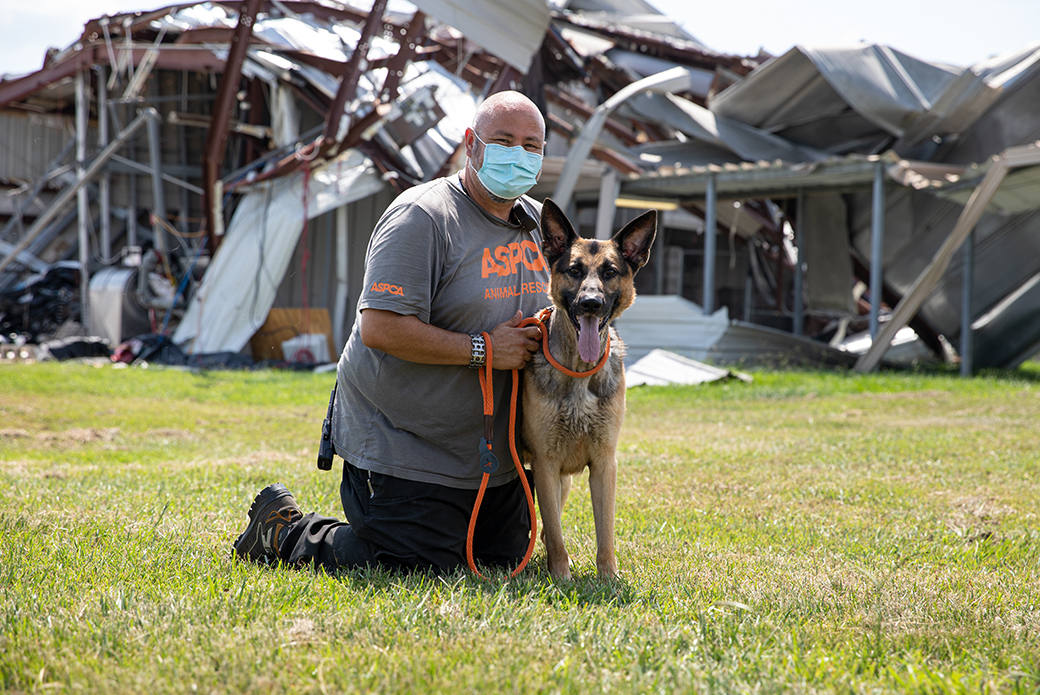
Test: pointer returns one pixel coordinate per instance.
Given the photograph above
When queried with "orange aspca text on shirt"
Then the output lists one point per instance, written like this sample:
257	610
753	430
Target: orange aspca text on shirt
504	260
387	287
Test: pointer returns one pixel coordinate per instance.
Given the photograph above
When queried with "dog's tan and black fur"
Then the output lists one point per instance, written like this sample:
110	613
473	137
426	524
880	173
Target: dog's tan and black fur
571	423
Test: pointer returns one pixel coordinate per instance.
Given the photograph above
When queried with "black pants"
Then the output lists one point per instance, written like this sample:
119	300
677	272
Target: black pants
403	524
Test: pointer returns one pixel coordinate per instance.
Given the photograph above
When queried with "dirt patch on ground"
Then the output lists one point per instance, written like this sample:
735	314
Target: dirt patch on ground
976	517
80	435
168	433
15	468
302	631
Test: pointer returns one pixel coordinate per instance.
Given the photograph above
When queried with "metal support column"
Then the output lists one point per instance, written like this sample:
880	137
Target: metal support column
131	218
609	187
216	139
355	66
799	267
158	194
407	45
659	266
749	288
105	184
710	224
967	280
877	244
83	206
182	154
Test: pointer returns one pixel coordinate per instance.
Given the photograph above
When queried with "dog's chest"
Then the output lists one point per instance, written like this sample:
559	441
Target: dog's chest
577	411
574	411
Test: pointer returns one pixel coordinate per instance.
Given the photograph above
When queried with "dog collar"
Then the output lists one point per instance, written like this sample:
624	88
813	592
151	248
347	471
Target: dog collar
543	318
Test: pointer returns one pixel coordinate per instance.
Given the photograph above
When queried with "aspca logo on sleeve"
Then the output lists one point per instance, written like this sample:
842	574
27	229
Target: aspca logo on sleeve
504	260
387	287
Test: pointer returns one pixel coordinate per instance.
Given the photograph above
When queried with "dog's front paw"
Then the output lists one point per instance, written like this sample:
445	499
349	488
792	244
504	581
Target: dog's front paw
560	568
607	567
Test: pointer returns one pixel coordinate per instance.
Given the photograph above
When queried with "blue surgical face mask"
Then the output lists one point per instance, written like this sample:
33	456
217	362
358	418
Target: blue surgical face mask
508	172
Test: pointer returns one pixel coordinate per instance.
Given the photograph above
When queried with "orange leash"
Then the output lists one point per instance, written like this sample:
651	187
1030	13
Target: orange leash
488	460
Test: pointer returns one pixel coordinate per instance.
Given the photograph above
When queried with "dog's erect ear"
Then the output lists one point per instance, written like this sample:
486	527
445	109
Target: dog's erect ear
557	233
634	239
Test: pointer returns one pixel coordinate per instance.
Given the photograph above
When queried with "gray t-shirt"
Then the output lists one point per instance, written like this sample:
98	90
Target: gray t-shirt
437	255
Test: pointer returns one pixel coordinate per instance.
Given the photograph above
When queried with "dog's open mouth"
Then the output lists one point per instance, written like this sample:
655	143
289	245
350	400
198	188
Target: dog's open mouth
588	327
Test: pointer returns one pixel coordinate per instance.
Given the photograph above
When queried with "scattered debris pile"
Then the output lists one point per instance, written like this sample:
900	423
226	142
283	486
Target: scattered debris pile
37	307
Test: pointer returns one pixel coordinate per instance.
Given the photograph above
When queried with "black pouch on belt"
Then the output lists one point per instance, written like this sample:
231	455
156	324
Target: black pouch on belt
326	449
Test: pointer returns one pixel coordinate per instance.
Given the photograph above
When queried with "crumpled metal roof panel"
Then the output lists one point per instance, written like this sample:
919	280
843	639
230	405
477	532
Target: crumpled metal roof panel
837	99
510	29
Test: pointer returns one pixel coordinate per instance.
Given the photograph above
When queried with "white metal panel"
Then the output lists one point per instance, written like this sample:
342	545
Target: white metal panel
660	368
671	323
510	29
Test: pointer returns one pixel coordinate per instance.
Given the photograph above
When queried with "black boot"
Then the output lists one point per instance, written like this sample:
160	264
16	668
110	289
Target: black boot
274	510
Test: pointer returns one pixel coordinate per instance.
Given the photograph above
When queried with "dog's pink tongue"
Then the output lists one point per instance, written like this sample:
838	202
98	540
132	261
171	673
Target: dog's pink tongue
588	339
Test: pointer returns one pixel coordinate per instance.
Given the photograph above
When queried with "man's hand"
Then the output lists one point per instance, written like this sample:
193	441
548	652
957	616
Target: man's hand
408	338
513	347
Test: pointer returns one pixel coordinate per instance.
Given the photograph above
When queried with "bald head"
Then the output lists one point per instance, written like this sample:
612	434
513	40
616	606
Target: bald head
503	106
511	121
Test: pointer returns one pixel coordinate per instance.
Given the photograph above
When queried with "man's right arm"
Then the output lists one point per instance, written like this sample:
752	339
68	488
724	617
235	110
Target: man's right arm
409	338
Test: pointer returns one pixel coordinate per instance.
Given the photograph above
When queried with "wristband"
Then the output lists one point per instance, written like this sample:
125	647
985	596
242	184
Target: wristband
477	352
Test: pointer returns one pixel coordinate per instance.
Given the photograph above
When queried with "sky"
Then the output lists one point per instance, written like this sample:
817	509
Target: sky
959	32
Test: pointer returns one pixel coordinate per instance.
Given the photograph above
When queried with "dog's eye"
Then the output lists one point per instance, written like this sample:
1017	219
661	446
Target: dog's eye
610	272
574	271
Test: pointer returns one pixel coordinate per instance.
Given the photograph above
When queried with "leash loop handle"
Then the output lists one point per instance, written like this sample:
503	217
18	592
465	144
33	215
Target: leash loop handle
489	462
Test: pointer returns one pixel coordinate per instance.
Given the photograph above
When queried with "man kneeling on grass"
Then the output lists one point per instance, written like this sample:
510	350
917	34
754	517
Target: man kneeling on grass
408	415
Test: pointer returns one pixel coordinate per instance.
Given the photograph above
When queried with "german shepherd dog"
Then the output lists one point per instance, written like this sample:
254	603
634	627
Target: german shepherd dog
570	423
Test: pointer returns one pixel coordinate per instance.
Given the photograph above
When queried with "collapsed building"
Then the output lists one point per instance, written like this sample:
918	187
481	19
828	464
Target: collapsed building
212	172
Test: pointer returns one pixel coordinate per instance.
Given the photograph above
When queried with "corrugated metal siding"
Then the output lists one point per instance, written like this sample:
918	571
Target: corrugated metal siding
29	141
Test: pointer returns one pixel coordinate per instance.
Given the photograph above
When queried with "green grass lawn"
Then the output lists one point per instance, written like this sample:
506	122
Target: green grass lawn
808	532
